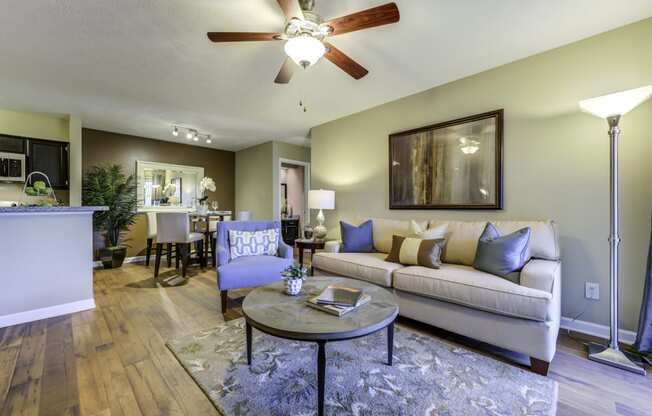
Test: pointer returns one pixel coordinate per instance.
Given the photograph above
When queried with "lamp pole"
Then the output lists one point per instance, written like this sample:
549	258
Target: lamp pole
612	355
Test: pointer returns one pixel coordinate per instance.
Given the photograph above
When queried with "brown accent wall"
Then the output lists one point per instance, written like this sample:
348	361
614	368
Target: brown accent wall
103	147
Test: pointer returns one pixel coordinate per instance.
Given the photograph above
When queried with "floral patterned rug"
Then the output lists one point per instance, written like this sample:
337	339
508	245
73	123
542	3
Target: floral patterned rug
429	377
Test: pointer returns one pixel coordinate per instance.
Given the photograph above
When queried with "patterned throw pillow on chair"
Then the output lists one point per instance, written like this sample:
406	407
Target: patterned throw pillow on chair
253	243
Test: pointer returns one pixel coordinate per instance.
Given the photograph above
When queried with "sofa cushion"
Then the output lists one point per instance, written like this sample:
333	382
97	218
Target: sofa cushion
466	286
416	251
462	238
357	239
384	230
502	255
370	267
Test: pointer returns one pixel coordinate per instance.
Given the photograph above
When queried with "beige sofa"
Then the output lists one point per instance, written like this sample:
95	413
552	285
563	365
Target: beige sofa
519	317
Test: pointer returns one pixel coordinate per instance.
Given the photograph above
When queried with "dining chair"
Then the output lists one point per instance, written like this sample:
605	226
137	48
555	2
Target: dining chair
244	216
151	236
174	228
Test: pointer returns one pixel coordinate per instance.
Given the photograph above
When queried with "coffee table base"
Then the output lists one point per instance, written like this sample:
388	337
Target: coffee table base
321	358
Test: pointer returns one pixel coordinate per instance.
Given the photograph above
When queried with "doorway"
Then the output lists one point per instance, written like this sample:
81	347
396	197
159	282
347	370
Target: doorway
294	183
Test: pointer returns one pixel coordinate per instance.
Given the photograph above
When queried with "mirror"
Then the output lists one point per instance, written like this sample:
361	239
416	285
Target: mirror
167	185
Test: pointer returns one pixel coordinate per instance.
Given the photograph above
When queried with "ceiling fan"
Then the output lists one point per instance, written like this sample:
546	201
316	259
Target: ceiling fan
305	34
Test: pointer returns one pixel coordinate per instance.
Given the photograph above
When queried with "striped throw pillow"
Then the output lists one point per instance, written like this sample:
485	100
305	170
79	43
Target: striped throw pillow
416	251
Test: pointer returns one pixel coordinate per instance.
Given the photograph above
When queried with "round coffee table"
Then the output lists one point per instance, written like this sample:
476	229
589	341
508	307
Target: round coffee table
271	311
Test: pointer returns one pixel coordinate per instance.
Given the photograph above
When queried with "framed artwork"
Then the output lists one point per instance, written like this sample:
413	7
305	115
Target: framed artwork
457	164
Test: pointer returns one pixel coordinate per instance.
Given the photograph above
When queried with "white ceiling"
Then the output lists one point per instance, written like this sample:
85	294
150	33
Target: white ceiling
137	66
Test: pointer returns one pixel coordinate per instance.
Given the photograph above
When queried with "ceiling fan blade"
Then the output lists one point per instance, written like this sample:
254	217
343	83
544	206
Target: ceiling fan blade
347	64
376	16
291	8
241	36
286	72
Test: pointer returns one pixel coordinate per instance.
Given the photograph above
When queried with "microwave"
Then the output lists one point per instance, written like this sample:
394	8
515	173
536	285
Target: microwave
12	167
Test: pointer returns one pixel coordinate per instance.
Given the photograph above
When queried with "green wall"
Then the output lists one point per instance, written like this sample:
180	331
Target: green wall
556	160
257	177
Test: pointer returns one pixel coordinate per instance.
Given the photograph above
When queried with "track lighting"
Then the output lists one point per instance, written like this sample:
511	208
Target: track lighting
191	134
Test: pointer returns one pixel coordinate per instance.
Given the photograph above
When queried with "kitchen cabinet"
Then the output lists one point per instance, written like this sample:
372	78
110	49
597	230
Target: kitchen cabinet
12	144
51	158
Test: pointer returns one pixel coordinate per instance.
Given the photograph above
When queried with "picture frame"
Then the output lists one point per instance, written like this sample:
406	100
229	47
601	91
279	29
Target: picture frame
456	164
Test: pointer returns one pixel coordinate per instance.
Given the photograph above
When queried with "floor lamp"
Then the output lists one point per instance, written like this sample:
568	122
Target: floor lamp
612	107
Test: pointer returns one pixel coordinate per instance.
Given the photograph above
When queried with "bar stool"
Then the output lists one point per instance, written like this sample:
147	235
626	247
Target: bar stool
151	236
174	228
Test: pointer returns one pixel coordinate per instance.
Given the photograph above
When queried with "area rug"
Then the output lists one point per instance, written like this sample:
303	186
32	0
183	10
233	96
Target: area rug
429	377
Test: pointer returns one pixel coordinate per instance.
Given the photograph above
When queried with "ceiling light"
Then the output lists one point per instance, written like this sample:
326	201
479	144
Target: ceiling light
304	50
617	104
209	140
189	134
175	131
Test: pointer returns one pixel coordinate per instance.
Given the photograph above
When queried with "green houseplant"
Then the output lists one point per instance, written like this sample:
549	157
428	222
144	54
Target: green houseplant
108	186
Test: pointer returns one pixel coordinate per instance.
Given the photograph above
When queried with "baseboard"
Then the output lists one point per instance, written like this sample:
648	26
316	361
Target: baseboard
49	312
135	259
597	330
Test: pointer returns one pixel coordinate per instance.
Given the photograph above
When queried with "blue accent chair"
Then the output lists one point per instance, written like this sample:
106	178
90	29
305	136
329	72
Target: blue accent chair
248	271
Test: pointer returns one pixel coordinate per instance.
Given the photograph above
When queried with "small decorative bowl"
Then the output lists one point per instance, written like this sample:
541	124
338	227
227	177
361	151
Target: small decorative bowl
293	286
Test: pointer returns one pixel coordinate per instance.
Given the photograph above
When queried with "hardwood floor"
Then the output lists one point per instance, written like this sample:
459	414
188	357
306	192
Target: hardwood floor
113	360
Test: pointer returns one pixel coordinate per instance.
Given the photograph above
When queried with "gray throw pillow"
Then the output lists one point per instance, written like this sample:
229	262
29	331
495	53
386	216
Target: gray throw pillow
504	255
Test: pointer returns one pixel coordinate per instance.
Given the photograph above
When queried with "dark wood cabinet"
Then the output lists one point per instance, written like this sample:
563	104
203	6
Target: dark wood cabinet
290	230
12	144
51	158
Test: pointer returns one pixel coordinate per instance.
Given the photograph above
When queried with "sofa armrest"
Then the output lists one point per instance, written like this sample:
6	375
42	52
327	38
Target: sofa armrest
284	250
541	274
333	246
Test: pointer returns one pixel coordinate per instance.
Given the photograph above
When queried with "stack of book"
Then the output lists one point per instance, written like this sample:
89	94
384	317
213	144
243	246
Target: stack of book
338	300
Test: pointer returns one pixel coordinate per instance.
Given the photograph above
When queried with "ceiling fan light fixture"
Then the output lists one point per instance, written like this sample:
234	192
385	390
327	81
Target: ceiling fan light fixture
305	50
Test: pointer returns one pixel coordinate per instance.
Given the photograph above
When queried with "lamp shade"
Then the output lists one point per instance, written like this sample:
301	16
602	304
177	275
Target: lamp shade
616	104
304	50
321	199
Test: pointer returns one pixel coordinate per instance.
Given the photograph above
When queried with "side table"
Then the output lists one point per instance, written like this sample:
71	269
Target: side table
308	244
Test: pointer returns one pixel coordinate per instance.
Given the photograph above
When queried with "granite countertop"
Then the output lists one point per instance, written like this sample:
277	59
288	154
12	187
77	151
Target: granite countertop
42	210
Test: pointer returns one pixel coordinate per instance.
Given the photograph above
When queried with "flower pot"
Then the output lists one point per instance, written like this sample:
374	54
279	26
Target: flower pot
113	257
293	286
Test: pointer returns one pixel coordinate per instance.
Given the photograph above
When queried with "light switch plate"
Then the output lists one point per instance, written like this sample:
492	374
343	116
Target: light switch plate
592	291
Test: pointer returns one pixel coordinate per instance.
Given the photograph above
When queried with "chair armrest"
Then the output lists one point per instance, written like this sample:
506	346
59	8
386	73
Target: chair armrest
333	246
284	250
223	255
541	275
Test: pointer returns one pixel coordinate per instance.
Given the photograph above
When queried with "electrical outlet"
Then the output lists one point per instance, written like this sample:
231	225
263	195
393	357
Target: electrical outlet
592	290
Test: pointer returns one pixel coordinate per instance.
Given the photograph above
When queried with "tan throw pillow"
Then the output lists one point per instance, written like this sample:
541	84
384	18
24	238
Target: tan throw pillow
416	251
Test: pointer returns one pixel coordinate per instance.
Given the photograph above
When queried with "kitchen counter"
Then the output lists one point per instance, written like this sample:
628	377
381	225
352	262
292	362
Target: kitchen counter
46	255
47	210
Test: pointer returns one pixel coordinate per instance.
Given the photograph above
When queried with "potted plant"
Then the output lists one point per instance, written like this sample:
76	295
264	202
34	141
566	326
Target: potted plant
108	186
294	276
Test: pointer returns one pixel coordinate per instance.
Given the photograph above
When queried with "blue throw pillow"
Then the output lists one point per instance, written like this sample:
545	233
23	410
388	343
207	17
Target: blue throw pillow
502	255
357	239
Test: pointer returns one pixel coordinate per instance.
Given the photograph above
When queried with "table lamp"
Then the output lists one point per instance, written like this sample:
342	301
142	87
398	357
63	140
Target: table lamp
321	199
612	107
